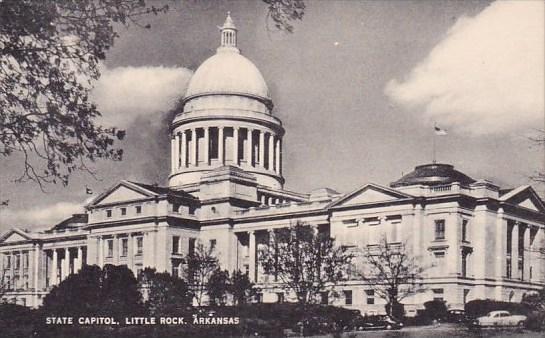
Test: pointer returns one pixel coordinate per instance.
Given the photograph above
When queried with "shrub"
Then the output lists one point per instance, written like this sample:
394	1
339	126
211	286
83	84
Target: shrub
435	309
481	307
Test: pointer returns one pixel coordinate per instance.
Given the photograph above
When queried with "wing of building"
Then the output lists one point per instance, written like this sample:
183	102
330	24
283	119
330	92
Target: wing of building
226	190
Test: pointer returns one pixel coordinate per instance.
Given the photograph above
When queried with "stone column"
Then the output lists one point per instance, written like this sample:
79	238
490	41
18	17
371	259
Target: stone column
278	170
271	152
262	149
249	147
500	251
206	145
66	264
130	253
36	267
177	152
235	145
54	268
252	253
173	154
526	253
194	146
100	248
184	149
221	151
80	258
515	251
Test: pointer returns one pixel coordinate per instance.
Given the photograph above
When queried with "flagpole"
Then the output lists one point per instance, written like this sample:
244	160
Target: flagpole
434	134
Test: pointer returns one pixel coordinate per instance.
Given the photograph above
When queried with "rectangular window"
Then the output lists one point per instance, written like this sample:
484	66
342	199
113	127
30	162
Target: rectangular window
124	247
191	248
212	244
110	248
280	297
138	209
464	230
139	246
370	296
108	213
440	229
347	297
7	262
25	260
175	244
17	262
123	211
324	298
464	264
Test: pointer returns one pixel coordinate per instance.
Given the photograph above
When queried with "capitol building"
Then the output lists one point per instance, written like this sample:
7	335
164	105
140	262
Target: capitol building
226	190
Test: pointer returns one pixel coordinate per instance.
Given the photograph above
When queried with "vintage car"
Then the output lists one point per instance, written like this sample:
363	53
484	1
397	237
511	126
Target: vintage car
500	318
364	323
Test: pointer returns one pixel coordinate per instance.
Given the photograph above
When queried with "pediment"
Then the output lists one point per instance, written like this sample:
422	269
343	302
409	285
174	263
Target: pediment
370	193
524	197
14	235
122	192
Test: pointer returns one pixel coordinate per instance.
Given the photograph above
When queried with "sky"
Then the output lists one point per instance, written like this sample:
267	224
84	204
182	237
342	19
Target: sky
358	86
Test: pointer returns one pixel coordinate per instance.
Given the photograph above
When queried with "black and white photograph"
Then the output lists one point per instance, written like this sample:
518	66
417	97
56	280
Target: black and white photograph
272	168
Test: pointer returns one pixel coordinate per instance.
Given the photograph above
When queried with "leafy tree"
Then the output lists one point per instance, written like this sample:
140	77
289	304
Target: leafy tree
111	291
241	288
166	294
50	53
305	261
201	263
390	271
218	286
283	12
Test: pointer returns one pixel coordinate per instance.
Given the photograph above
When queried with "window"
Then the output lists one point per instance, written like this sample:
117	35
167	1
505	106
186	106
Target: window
440	229
138	209
17	262
508	268
212	244
110	248
139	245
124	247
464	264
7	262
108	213
324	297
438	294
191	248
280	297
175	244
347	297
439	254
25	260
123	211
370	296
464	230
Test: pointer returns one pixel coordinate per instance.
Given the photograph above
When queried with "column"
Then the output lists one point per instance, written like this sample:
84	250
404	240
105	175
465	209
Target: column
278	171
500	251
526	253
262	149
54	268
36	267
130	253
80	258
220	145
235	145
100	248
184	149
65	267
172	154
515	251
177	152
252	254
194	146
271	152
249	147
206	145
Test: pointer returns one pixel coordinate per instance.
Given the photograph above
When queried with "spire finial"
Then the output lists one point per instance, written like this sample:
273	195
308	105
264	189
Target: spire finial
228	32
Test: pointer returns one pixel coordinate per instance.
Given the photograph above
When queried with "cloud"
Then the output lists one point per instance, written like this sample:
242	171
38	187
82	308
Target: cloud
124	93
486	76
39	216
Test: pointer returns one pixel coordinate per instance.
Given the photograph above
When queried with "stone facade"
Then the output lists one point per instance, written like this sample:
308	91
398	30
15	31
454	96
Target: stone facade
473	239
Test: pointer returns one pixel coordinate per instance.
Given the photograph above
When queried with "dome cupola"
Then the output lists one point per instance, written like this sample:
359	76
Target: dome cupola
433	174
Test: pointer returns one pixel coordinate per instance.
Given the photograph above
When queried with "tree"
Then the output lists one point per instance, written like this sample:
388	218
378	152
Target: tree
305	261
110	292
241	288
201	263
218	286
50	53
391	272
166	294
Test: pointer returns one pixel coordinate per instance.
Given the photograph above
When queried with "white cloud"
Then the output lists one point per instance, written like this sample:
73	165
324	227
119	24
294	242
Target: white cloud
39	216
486	76
125	93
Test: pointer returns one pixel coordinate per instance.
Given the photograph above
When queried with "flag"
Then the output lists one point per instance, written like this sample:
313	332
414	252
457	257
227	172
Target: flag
88	191
440	132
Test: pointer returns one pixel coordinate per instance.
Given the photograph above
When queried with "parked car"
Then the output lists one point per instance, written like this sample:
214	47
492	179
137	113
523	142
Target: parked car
374	323
500	318
456	316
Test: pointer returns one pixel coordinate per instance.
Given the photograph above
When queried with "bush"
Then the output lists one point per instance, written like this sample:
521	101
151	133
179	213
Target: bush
16	321
435	309
481	307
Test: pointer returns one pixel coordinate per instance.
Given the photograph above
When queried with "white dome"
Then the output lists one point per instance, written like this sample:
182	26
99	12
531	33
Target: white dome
227	72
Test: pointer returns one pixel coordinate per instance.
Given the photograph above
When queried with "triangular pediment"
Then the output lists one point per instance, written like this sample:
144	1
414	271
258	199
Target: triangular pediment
122	192
525	197
370	193
15	235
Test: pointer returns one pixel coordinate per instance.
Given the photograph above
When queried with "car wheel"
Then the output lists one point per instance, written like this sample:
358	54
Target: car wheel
521	325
